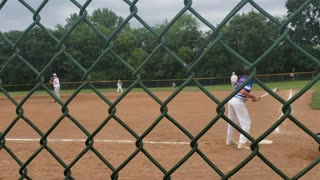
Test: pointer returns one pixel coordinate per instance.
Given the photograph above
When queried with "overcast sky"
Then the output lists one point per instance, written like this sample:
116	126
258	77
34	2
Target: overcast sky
14	16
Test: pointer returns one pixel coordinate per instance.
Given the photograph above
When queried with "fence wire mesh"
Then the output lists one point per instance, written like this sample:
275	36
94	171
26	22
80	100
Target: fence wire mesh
213	40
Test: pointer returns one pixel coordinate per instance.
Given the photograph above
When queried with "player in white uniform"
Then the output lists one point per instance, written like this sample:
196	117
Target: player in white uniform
119	85
56	85
234	80
174	85
237	110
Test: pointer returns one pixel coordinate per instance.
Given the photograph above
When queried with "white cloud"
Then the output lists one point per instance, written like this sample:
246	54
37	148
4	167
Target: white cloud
13	15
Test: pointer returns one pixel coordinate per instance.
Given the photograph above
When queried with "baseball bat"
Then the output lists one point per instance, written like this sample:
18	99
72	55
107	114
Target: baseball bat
265	94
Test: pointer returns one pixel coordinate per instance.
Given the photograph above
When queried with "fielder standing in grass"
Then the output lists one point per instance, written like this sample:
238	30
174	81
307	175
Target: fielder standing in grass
234	80
119	85
56	85
237	110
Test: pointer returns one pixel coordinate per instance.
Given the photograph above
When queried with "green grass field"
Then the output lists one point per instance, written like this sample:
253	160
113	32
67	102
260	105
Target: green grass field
296	85
315	102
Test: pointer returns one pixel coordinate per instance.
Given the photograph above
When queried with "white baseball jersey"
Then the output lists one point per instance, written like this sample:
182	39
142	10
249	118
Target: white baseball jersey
56	82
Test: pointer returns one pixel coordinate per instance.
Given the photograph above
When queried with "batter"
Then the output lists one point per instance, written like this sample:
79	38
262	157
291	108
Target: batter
237	110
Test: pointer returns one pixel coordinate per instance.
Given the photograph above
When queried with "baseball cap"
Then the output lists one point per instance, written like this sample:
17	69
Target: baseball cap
54	74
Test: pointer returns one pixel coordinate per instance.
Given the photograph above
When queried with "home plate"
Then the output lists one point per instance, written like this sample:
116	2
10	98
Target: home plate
266	141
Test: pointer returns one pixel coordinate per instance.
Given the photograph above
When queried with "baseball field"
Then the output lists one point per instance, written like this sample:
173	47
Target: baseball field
291	150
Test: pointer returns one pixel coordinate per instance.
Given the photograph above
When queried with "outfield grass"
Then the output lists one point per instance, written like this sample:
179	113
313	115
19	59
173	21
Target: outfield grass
315	100
296	85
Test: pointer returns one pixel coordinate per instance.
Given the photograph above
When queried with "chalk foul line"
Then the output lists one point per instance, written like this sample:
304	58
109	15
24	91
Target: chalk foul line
277	130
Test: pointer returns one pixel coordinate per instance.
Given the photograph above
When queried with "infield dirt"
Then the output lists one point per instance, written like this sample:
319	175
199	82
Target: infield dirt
291	151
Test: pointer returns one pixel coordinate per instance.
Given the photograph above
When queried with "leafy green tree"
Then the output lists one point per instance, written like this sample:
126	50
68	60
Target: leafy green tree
37	48
106	18
307	24
137	57
86	45
182	38
305	31
250	35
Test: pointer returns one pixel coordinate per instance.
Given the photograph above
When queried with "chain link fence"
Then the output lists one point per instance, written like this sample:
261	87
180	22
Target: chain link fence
161	83
213	40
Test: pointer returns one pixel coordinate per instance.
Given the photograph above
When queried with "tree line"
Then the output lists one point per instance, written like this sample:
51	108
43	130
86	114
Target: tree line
249	34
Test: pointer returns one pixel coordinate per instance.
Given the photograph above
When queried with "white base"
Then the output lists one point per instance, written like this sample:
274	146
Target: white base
277	130
266	141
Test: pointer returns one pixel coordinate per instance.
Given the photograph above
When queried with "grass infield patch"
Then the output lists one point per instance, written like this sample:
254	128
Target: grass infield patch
315	100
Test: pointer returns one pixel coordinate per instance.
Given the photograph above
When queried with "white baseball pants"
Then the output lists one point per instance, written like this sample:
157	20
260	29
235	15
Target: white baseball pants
119	89
237	110
57	91
233	84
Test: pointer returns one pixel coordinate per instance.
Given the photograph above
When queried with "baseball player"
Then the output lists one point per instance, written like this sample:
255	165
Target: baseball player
51	81
56	85
234	80
237	110
174	85
119	85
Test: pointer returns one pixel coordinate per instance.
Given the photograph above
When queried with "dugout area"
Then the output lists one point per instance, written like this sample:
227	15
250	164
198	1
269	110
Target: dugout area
291	151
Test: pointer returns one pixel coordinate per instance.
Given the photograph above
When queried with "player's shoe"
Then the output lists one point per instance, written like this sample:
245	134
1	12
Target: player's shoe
243	147
229	143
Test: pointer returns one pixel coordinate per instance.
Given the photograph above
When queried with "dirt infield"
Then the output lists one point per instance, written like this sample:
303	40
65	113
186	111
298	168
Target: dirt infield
291	151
